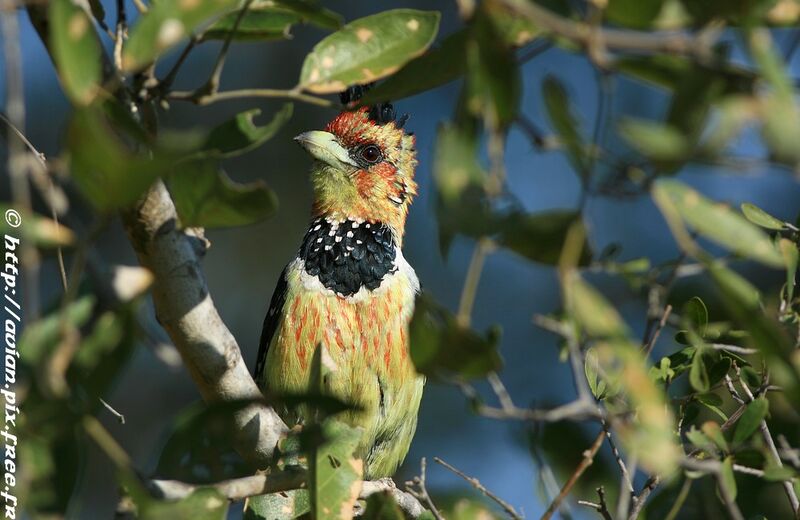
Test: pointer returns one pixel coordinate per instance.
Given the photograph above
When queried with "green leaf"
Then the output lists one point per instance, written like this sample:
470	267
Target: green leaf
591	310
311	12
455	165
164	25
335	474
493	83
240	134
751	419
636	14
714	432
719	369
381	506
657	141
700	440
76	51
713	403
440	65
565	124
41	336
727	478
760	217
368	49
110	172
259	23
791	255
540	237
206	197
779	473
715	222
596	385
440	346
695	315
289	505
698	374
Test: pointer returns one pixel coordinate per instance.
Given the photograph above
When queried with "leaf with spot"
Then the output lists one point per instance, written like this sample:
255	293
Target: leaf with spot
714	221
76	51
440	346
381	506
335	474
206	197
165	24
240	134
750	421
368	49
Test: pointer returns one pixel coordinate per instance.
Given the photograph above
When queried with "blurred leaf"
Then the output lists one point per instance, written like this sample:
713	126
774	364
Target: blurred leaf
751	419
732	11
540	237
781	117
493	83
727	478
651	435
591	310
700	440
663	371
130	281
206	197
565	124
714	432
76	51
779	473
201	504
469	509
240	134
735	286
312	12
41	336
713	403
38	230
657	141
455	164
381	506
259	23
760	217
368	49
199	446
636	14
715	221
109	172
698	374
439	345
335	473
790	253
695	315
164	25
440	65
719	369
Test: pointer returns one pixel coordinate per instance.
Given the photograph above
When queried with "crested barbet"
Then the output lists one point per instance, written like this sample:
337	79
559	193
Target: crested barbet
349	290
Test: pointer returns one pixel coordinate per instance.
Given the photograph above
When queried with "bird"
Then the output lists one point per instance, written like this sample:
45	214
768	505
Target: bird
349	290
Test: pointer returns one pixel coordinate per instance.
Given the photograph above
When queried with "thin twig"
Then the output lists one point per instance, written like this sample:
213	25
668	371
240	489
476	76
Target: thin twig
477	485
213	81
734	348
473	276
418	489
200	98
651	342
621	463
640	499
234	489
119	416
588	459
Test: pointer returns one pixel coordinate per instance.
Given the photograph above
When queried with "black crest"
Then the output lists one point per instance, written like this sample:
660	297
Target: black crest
381	113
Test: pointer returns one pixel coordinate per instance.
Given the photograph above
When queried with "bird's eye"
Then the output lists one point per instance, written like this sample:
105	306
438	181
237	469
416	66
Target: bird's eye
371	154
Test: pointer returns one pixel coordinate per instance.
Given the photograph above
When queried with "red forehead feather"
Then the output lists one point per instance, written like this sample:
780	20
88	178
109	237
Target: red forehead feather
350	125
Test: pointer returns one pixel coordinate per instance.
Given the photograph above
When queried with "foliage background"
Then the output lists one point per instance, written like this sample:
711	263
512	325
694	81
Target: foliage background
243	263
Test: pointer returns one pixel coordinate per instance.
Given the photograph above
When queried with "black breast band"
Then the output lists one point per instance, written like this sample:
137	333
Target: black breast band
348	255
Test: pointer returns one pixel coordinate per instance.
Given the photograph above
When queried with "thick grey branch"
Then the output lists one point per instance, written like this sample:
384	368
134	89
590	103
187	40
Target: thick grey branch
186	311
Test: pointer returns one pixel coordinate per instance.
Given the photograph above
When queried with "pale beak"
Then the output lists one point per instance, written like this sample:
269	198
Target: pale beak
323	146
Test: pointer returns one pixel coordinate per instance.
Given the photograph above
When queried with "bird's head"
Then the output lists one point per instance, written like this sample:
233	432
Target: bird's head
364	167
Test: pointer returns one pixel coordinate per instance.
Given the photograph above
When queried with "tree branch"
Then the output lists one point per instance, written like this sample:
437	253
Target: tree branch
186	311
588	459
